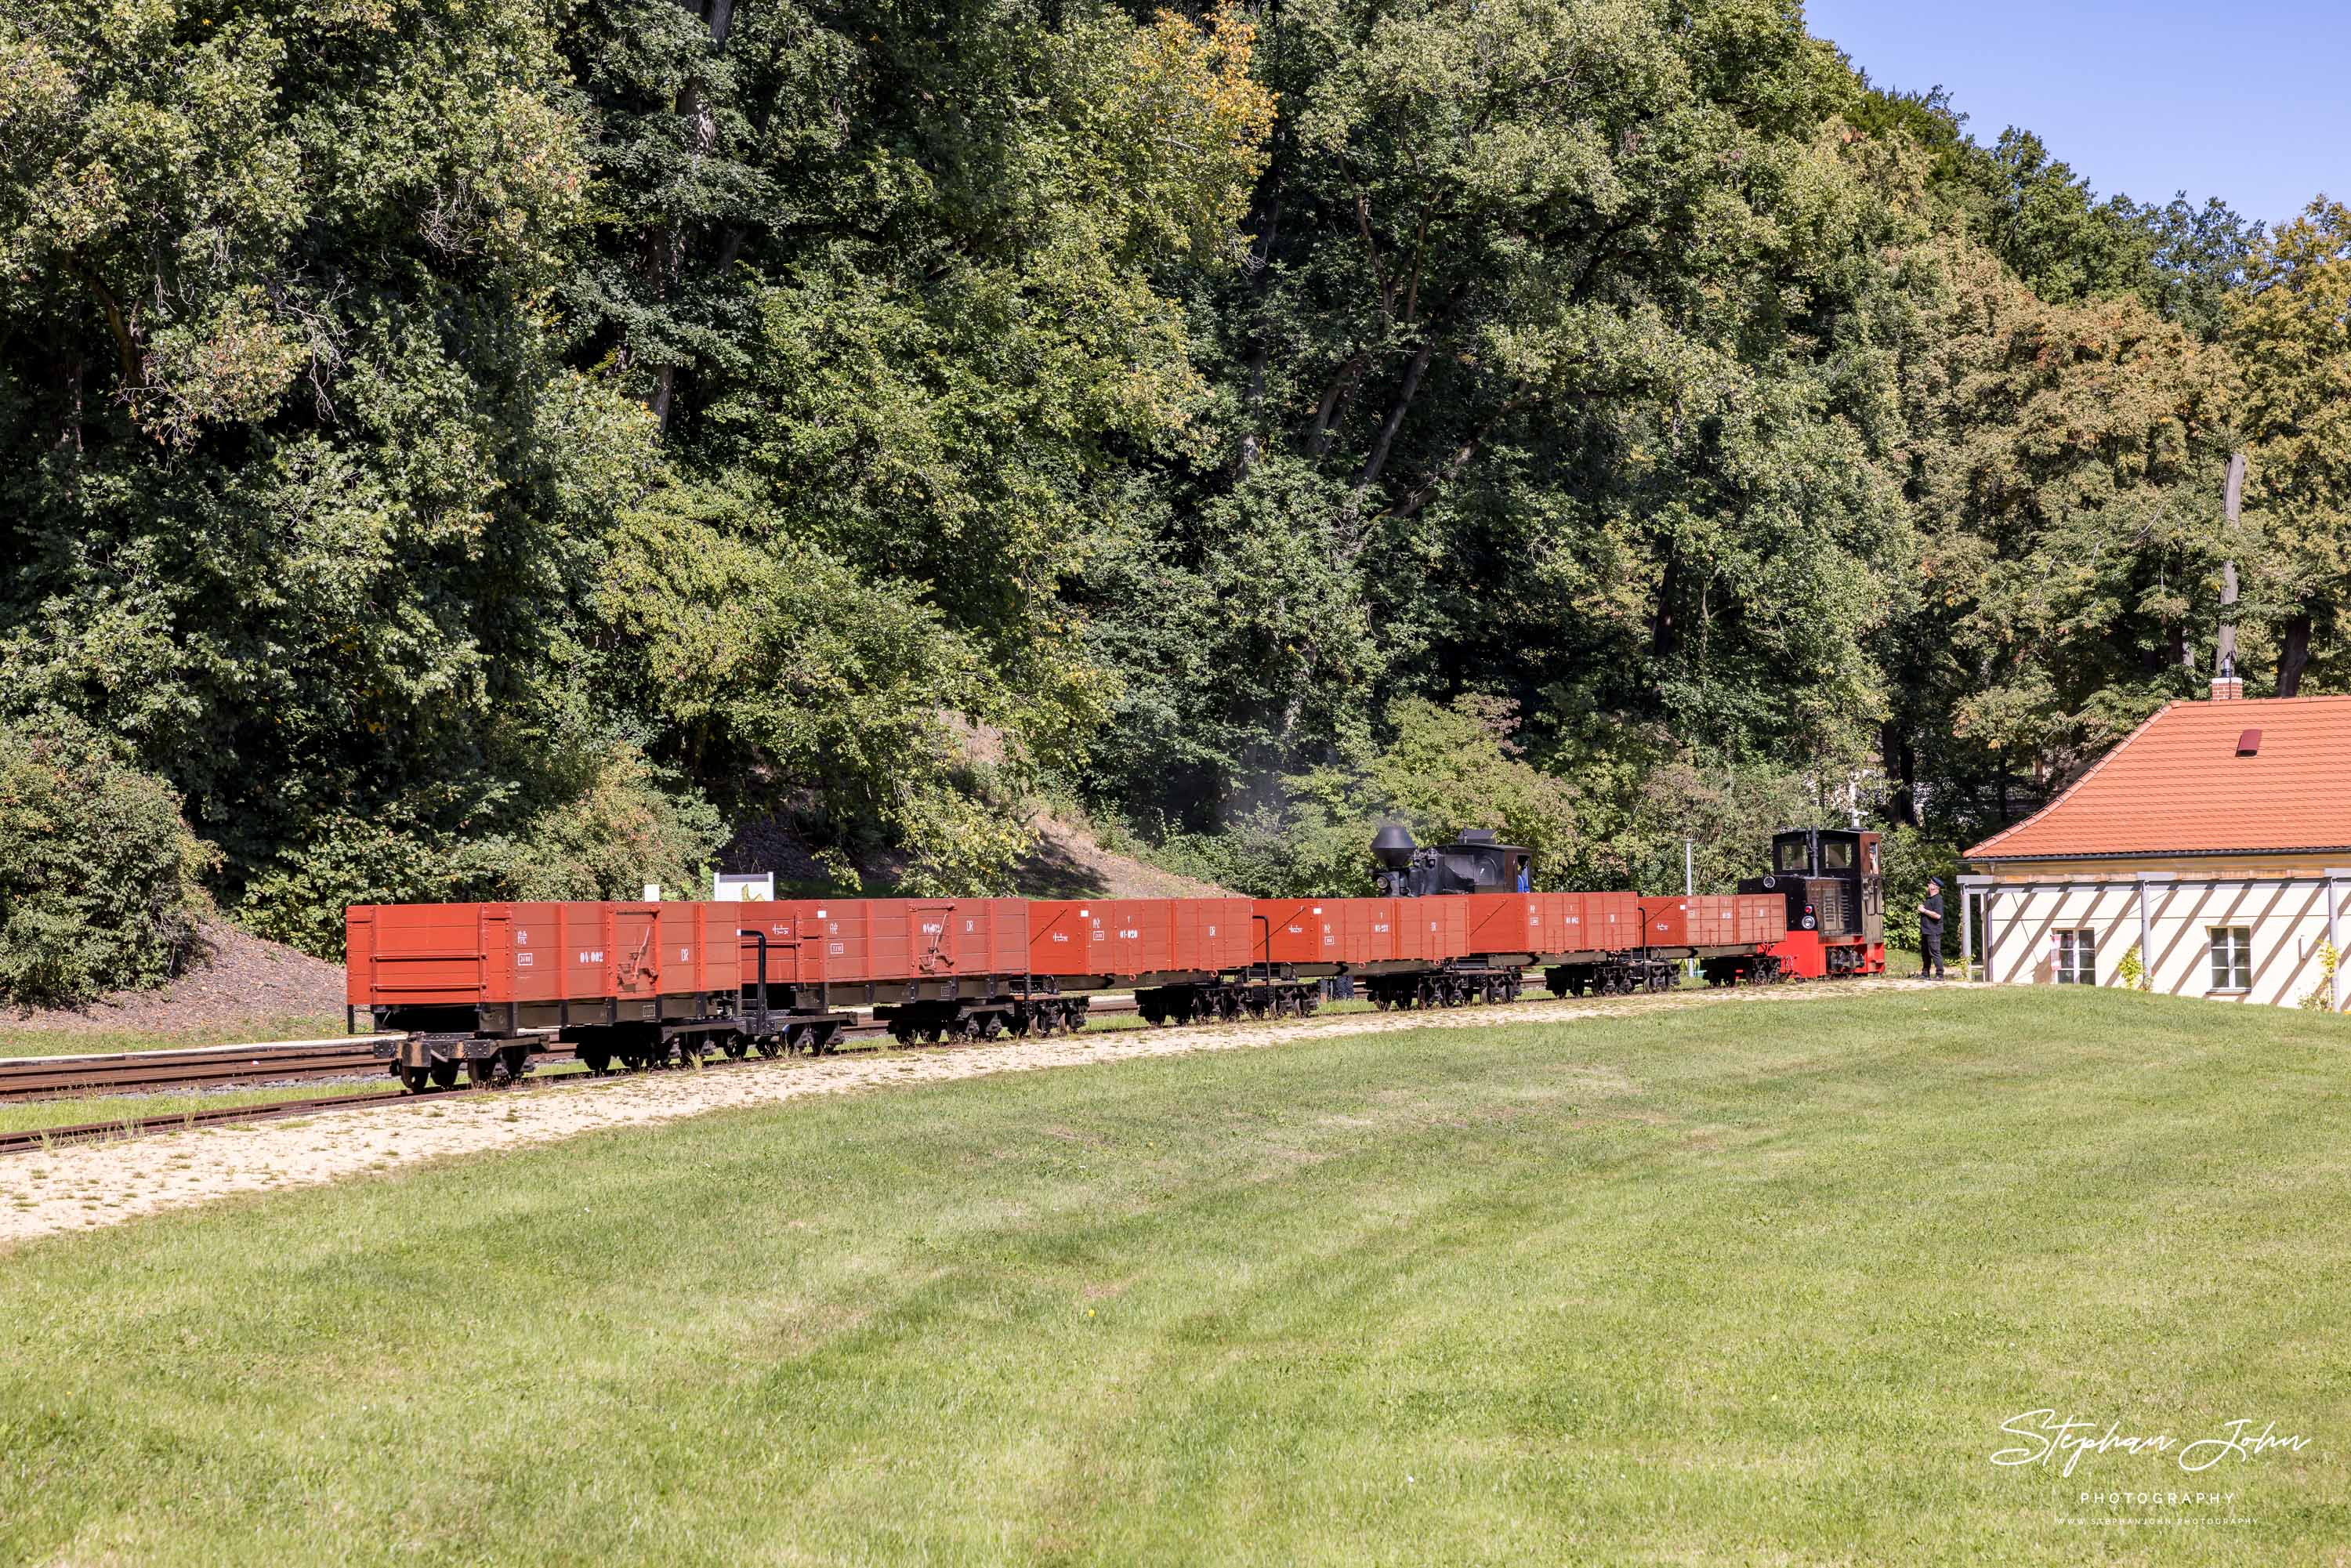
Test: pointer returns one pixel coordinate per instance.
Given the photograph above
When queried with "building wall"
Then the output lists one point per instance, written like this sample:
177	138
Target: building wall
2286	919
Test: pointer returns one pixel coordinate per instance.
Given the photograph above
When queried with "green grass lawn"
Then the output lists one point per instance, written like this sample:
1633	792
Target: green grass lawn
1750	1284
96	1042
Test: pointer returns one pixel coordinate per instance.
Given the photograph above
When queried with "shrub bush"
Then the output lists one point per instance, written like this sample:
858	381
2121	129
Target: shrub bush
616	823
101	884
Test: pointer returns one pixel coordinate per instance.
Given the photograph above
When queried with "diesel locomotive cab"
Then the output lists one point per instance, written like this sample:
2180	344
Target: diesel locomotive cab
1474	863
1835	891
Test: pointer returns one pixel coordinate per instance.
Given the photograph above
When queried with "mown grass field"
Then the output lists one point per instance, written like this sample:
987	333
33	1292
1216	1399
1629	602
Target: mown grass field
1747	1283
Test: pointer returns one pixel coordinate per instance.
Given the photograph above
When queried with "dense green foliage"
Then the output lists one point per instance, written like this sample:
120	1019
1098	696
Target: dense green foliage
495	447
101	884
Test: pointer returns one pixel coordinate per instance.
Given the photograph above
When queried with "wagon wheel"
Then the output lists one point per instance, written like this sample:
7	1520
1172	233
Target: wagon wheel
736	1046
1308	1003
481	1071
414	1078
769	1046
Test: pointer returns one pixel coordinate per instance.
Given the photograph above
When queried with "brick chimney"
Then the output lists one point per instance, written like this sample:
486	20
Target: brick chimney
2226	686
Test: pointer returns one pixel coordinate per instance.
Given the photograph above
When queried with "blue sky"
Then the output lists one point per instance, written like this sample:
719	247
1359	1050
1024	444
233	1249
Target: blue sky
2245	103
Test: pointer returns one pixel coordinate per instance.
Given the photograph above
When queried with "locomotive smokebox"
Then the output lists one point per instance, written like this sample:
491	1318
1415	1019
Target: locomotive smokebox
1392	846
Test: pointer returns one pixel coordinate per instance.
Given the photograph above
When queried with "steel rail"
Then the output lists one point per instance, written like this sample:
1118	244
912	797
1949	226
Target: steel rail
125	1128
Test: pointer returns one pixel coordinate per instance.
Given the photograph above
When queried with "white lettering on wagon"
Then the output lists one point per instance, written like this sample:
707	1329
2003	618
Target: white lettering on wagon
523	960
592	957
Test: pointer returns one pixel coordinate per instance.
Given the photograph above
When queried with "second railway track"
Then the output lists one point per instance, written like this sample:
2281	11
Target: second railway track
126	1074
135	1072
240	1066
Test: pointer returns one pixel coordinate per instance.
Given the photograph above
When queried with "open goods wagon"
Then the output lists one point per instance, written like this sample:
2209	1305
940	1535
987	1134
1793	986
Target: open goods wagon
474	986
1424	951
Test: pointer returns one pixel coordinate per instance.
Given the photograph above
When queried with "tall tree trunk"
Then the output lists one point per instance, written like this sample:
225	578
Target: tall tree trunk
1335	401
1395	421
1901	760
2224	649
2295	656
1662	634
718	15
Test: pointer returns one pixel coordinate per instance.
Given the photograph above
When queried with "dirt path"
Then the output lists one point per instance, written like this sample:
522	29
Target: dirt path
84	1187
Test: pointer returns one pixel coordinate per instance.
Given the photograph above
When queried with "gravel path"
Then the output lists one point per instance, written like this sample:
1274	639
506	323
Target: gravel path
84	1187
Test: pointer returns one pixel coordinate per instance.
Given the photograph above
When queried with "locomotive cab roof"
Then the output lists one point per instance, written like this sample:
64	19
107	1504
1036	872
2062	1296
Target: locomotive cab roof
1824	851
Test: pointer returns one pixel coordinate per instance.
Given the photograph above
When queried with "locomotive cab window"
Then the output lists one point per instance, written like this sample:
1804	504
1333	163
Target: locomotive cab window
1788	855
1836	855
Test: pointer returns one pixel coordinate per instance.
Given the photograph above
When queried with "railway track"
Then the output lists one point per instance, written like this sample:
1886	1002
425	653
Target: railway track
137	1072
254	1063
215	1069
278	1110
240	1066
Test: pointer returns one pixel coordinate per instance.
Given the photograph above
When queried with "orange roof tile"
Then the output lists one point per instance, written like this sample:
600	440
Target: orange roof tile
2178	784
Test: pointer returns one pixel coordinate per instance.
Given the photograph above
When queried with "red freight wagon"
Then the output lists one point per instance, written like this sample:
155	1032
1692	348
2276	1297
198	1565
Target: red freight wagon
866	942
1612	922
1527	922
1127	940
1324	935
1311	933
1698	926
472	955
469	982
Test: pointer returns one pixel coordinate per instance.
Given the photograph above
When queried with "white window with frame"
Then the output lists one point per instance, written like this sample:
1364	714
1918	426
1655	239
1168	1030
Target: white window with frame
2077	958
2232	957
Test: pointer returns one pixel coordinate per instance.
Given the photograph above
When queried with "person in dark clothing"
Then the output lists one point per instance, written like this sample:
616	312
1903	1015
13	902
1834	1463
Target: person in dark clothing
1930	931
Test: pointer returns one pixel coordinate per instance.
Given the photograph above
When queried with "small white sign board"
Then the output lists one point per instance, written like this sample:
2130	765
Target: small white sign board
747	888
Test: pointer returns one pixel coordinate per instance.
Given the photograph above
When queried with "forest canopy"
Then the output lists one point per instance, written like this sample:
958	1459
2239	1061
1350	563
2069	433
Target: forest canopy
504	448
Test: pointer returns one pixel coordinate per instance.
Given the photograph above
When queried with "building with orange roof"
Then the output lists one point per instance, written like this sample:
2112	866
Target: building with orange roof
2214	844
